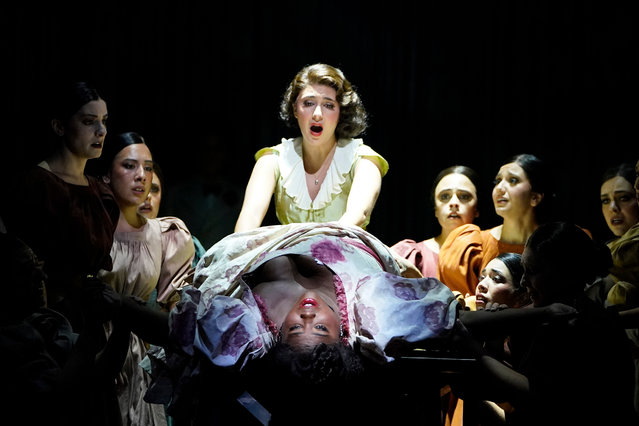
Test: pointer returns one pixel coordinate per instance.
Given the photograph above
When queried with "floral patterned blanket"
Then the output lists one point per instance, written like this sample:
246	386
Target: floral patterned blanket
219	316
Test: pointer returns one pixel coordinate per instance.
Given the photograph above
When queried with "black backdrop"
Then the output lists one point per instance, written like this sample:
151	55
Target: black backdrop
444	82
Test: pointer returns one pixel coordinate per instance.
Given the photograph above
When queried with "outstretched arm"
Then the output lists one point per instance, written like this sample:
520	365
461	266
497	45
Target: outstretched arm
259	191
490	324
367	184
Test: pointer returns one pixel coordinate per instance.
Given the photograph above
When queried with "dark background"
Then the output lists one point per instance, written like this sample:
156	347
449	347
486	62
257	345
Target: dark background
445	82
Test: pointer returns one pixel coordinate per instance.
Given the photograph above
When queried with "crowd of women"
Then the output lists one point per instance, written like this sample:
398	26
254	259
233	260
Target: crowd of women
119	316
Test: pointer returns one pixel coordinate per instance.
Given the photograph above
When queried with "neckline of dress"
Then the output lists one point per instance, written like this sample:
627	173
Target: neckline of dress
314	180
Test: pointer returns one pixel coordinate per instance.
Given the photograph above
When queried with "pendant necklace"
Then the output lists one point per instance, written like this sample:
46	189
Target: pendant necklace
319	175
315	177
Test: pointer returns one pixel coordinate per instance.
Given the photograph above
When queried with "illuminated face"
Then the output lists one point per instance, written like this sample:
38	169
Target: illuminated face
150	207
311	321
619	205
455	201
317	113
496	285
85	131
513	195
131	175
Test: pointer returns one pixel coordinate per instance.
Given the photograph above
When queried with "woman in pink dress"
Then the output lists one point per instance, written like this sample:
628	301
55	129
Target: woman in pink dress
454	195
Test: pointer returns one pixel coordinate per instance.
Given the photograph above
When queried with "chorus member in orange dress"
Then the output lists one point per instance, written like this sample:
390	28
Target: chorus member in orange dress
522	198
454	195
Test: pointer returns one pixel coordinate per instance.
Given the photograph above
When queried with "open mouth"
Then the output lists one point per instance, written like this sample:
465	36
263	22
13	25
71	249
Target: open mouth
309	303
316	129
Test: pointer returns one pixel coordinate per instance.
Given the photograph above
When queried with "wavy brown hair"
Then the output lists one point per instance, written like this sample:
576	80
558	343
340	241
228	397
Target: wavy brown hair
353	117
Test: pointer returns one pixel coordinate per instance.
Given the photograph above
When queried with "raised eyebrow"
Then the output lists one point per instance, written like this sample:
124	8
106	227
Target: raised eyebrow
511	175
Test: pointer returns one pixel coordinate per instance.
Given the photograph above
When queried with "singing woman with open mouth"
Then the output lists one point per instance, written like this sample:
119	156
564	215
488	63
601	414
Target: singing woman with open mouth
523	198
326	174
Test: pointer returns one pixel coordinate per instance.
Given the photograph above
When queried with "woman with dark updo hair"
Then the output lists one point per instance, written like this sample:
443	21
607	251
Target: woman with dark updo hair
325	174
151	260
522	196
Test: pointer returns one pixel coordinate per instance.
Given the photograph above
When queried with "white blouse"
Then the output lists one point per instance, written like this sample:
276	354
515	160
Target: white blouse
293	203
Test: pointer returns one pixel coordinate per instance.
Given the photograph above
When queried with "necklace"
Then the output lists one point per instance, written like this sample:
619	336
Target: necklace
319	175
315	177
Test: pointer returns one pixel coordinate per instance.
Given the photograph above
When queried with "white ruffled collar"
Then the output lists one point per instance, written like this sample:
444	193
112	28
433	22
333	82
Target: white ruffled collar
294	182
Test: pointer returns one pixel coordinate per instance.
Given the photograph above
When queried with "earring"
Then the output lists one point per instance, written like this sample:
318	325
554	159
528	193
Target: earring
341	330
